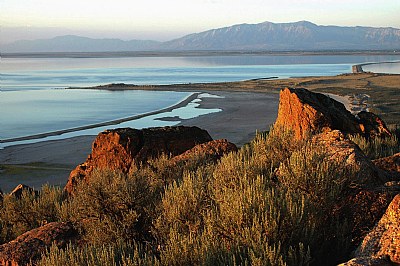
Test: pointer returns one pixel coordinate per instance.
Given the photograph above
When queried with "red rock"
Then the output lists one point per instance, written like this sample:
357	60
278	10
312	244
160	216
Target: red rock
30	245
119	149
390	164
214	150
306	112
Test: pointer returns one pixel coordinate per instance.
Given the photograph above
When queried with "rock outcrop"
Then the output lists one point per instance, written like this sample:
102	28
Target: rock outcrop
212	150
326	123
306	112
119	149
390	164
382	244
30	245
18	190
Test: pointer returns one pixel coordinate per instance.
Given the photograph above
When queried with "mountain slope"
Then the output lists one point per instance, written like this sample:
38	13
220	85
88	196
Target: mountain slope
301	35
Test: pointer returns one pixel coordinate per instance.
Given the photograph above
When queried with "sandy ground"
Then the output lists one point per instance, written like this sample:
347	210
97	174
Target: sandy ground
243	113
51	161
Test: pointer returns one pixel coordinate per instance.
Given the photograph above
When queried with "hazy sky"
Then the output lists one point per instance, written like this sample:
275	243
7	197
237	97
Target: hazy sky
167	19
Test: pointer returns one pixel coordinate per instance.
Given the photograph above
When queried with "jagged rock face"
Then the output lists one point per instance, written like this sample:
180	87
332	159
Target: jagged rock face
390	164
383	242
118	149
213	150
30	245
306	112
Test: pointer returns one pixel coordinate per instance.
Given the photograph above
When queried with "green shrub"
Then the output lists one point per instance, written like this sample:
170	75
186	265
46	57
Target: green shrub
112	207
183	205
243	214
377	147
271	203
30	211
103	255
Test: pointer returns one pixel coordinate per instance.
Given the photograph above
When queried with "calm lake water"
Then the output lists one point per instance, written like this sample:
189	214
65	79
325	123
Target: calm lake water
32	102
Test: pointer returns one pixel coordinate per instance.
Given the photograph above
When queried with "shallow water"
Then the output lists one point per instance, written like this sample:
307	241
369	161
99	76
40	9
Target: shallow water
390	68
30	112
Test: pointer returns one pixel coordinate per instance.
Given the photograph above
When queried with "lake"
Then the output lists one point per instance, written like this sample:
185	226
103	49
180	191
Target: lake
33	102
389	67
40	73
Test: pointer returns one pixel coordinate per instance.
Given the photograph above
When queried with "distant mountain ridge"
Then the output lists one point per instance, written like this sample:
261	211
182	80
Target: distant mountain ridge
302	35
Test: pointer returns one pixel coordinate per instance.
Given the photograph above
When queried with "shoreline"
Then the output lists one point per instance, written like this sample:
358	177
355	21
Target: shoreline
182	103
358	68
51	161
167	53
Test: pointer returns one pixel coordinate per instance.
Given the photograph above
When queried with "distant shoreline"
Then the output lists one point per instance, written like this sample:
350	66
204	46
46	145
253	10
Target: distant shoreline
190	53
359	67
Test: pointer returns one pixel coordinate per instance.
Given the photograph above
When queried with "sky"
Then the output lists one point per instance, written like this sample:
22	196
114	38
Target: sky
167	19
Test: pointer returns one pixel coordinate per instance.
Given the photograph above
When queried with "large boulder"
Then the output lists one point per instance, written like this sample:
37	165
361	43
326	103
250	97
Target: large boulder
30	245
382	244
120	149
306	112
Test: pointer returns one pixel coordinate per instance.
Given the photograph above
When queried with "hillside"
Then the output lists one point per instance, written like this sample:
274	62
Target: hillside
304	193
301	35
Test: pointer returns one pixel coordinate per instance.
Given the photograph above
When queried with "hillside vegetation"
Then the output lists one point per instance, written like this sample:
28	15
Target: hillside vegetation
236	211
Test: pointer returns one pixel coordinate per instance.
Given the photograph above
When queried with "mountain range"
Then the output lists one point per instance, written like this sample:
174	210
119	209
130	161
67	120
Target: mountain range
266	36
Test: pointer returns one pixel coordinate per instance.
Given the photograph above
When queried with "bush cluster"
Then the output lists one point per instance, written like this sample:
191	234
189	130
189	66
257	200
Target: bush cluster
271	203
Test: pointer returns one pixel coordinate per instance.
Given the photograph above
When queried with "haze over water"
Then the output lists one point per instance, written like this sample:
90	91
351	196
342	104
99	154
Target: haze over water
40	73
